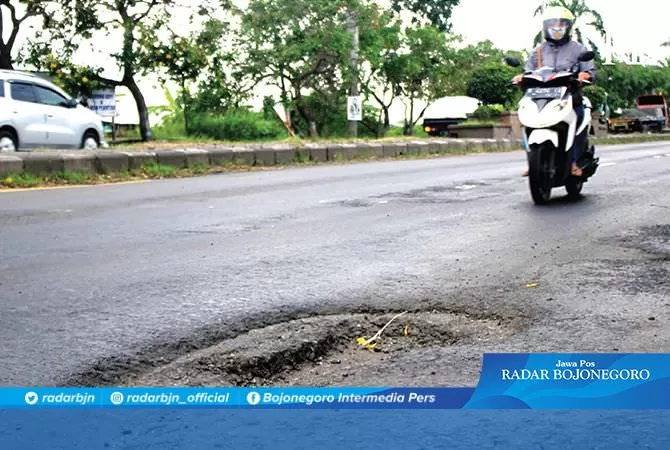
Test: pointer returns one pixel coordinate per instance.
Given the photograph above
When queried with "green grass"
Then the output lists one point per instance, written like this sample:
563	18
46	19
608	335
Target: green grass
478	123
21	180
156	170
72	177
199	169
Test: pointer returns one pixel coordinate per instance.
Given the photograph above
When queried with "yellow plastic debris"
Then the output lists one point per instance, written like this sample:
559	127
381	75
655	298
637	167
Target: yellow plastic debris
406	330
362	341
531	285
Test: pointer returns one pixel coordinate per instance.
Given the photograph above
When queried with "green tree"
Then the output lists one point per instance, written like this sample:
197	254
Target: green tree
419	71
379	43
182	59
436	12
138	21
585	18
624	83
491	84
464	61
14	15
300	46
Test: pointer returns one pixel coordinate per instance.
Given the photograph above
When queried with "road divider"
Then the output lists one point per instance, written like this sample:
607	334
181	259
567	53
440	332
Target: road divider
28	169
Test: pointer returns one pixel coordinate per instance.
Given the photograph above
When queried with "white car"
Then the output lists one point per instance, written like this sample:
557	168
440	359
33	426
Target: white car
35	113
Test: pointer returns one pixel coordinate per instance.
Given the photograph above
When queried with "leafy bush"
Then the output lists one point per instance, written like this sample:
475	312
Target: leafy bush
488	112
491	84
597	96
236	126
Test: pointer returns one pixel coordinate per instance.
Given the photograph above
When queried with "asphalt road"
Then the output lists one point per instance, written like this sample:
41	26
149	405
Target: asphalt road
94	272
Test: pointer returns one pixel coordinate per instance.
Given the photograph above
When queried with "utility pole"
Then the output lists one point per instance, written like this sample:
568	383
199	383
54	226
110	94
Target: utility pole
352	28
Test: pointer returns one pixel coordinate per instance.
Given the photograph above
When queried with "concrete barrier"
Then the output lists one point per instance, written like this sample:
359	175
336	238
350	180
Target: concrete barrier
174	158
42	163
281	153
137	160
341	151
196	157
79	162
317	152
264	157
372	149
244	156
418	148
221	156
10	164
393	149
112	161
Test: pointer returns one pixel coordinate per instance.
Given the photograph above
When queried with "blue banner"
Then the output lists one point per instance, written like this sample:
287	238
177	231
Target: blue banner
507	381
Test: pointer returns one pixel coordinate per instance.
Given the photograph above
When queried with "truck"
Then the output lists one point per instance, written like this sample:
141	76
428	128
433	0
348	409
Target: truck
447	111
655	108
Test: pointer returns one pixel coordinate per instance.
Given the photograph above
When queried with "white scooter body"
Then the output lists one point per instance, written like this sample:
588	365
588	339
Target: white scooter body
541	118
551	129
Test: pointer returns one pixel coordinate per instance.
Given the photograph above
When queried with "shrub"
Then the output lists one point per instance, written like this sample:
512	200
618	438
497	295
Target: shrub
488	112
491	84
236	126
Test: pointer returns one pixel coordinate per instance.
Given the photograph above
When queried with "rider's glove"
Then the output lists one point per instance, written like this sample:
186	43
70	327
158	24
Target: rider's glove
517	79
584	76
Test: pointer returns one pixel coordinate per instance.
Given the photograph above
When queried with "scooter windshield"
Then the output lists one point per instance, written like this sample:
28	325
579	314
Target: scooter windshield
544	73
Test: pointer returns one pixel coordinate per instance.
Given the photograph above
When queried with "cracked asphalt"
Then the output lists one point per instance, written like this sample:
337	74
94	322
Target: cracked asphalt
109	280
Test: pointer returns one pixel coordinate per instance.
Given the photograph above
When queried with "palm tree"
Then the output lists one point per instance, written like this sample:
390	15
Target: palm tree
582	14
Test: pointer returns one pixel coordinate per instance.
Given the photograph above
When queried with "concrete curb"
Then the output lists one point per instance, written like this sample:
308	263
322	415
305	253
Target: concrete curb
120	160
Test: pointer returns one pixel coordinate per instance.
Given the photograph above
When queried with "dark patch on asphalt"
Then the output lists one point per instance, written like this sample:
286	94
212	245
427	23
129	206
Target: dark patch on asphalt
320	349
649	275
653	240
630	277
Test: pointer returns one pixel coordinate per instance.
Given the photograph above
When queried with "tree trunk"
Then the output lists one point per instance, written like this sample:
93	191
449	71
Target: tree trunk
6	62
409	123
186	101
387	121
142	109
306	114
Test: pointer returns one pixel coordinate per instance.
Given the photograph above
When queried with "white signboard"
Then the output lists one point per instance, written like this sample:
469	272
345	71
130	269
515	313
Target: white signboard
354	108
103	102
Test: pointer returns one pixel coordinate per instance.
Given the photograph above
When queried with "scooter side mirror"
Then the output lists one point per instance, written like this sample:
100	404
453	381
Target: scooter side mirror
512	61
588	55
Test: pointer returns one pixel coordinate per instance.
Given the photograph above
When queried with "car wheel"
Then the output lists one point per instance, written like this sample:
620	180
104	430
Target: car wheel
8	142
90	141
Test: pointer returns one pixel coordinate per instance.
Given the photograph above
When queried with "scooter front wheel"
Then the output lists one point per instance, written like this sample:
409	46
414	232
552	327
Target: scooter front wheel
539	190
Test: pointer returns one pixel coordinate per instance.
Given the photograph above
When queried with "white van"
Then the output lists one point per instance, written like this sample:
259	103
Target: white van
35	113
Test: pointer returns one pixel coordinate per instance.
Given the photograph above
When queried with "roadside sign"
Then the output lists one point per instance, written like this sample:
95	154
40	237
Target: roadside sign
354	108
103	102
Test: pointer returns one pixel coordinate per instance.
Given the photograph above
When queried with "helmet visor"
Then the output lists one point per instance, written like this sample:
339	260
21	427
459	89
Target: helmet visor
556	28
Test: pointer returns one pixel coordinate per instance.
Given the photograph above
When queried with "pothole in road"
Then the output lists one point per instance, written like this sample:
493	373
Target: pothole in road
321	350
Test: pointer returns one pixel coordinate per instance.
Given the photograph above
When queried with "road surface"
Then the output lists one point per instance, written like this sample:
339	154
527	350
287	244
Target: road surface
93	273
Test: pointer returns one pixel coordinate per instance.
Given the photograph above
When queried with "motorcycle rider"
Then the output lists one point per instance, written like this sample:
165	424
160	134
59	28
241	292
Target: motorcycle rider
561	52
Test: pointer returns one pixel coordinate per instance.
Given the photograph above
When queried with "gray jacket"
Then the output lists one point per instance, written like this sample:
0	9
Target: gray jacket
561	57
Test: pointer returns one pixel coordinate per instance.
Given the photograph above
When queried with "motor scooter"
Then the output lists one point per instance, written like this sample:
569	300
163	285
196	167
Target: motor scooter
551	128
